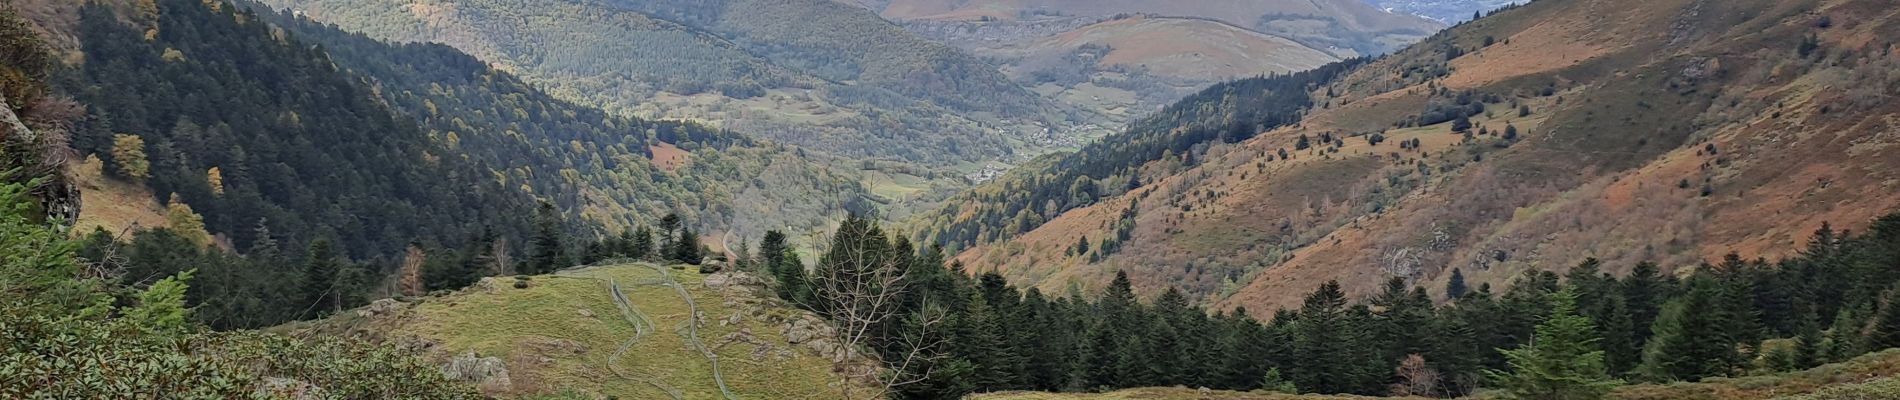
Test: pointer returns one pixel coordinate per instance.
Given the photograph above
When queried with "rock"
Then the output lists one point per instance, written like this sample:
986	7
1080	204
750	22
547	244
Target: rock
813	333
487	373
554	346
486	285
413	342
286	388
711	267
586	312
734	279
381	307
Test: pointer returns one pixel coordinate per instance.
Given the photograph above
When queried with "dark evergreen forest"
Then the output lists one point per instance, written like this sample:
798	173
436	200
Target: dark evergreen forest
1833	301
1225	113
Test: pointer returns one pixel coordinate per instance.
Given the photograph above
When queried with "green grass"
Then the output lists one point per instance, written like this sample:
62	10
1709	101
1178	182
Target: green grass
895	185
516	325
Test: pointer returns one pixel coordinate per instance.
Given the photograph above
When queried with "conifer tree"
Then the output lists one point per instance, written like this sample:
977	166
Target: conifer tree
1693	338
686	248
1320	338
669	227
642	244
1846	337
1807	346
1643	292
979	340
1562	363
1273	382
1455	288
1885	331
1398	316
1622	349
320	279
550	247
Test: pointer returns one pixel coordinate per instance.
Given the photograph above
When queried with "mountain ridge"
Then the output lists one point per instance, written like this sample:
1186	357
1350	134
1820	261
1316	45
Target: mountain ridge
1587	123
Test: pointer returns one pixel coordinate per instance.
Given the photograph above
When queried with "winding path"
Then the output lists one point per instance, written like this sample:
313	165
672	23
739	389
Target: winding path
643	326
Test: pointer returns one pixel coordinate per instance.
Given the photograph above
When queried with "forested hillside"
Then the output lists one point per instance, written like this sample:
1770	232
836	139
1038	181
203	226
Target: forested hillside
73	329
258	133
1673	132
1038	192
302	178
817	74
604	168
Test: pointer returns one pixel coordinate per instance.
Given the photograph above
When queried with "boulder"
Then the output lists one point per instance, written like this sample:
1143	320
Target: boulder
381	307
487	373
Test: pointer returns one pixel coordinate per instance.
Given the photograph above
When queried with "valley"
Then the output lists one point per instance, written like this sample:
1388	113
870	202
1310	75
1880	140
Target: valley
942	199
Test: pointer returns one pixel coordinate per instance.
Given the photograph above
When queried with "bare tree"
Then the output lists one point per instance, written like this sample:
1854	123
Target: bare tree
1416	378
860	285
411	282
501	264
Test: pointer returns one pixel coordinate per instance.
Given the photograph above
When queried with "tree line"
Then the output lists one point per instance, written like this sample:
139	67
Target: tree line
1227	112
270	283
1833	301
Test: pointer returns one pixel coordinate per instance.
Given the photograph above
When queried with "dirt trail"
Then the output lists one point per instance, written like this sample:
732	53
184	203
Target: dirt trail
643	326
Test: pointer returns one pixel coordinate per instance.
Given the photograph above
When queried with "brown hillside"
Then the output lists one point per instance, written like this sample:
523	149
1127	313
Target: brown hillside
1187	48
1355	14
1337	26
1650	104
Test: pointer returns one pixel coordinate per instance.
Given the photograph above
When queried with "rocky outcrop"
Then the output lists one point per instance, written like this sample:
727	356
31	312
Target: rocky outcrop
487	373
382	307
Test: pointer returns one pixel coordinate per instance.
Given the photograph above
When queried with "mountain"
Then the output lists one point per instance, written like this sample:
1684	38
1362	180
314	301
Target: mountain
1333	25
604	170
1626	131
618	171
812	73
192	103
1127	66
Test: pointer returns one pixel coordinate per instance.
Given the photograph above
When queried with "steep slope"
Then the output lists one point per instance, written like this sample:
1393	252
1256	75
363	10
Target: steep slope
194	102
633	331
813	73
1132	65
509	137
1673	131
1346	24
616	170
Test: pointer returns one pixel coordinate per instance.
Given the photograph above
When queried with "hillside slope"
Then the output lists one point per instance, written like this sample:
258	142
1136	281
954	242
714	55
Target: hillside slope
601	168
1129	66
1344	24
618	171
1672	131
812	73
631	331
